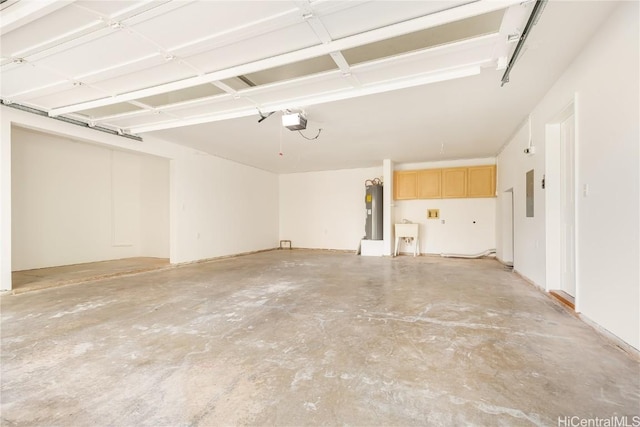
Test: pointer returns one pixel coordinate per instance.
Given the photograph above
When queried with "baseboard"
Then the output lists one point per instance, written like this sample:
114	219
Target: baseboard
203	260
613	339
529	281
346	251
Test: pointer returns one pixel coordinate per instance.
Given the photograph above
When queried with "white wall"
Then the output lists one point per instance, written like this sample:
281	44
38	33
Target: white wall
154	207
469	225
74	202
5	202
216	207
603	80
324	209
529	233
223	208
458	234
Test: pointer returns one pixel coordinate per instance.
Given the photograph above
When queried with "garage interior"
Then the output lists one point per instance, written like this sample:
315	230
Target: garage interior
155	156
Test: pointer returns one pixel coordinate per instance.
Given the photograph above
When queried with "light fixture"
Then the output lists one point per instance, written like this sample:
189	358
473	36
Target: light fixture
294	121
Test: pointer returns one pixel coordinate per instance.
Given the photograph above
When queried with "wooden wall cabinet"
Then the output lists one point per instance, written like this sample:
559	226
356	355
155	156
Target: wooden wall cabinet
405	185
454	183
429	184
448	183
482	181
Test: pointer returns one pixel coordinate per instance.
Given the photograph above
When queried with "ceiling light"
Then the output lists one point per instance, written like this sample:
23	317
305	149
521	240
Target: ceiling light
294	121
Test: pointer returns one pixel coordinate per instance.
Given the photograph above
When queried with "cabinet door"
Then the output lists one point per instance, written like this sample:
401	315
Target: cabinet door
405	185
429	181
482	181
454	183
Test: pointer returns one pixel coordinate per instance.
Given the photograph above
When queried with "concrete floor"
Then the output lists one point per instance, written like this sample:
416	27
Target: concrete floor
307	338
51	277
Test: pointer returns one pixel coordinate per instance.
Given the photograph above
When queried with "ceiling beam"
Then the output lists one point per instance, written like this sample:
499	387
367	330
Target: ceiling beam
413	25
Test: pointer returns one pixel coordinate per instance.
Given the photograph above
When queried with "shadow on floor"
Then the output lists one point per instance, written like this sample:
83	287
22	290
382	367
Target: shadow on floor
43	278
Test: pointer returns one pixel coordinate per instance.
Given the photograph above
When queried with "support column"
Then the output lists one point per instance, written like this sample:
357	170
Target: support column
387	207
5	204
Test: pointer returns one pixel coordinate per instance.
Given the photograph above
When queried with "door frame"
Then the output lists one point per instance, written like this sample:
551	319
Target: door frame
554	199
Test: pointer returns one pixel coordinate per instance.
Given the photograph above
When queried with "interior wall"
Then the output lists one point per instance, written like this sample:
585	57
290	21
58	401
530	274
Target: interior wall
5	202
233	207
221	208
324	210
529	232
608	173
154	206
74	202
465	226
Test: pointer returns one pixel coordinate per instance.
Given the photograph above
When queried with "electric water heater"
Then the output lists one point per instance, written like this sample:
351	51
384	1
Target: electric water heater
373	205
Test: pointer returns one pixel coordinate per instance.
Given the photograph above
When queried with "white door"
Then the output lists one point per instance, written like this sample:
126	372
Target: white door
567	179
507	227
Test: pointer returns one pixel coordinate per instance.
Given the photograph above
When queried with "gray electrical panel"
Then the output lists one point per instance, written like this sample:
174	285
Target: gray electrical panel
373	204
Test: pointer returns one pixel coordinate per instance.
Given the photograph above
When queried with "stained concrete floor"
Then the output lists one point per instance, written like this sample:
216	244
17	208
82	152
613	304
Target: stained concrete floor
300	337
51	277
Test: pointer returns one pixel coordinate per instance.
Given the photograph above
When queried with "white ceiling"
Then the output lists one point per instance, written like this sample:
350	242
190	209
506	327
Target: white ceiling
407	80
